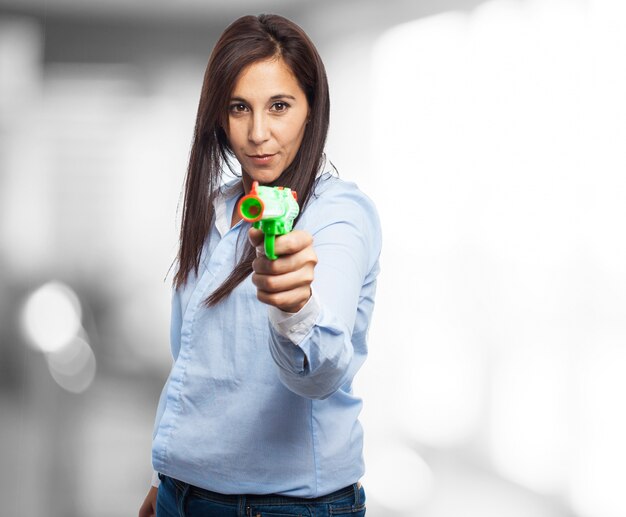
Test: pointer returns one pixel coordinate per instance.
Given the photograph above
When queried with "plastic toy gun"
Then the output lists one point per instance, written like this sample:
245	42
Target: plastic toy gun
272	210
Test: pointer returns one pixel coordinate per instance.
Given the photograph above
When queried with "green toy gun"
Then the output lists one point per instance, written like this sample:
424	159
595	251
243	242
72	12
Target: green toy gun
272	210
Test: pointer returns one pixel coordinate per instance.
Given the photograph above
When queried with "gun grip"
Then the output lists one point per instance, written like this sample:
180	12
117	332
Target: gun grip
269	246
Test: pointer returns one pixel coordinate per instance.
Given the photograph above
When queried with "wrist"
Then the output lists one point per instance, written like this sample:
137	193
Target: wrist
294	309
295	327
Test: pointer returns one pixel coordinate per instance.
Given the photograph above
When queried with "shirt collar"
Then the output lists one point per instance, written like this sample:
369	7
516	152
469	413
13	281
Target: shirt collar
222	205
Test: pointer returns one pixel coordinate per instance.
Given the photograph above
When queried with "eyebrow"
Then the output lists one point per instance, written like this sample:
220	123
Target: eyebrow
272	98
282	96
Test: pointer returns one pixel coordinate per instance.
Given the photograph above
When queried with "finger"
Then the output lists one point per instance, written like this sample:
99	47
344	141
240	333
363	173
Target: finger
292	242
255	237
283	283
288	301
285	263
280	266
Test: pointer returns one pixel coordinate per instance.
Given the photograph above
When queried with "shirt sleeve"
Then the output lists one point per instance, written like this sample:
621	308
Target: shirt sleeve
295	326
156	482
319	351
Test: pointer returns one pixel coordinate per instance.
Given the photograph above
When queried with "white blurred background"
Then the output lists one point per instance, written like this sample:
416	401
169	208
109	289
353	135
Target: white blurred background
491	136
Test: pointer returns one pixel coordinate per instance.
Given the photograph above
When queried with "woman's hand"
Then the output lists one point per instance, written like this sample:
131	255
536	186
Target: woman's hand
285	282
148	508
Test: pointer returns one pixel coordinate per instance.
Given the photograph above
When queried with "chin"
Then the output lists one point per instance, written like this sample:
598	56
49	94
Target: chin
264	176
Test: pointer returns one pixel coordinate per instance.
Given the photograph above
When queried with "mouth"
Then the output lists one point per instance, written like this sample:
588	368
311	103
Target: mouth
261	158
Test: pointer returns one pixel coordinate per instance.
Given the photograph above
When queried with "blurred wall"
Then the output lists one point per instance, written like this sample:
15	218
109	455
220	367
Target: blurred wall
487	133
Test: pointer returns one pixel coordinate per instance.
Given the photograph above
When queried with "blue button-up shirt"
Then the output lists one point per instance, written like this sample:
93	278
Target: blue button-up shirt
260	401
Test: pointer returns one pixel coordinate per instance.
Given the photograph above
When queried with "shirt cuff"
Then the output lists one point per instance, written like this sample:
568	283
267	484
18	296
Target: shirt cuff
295	326
155	479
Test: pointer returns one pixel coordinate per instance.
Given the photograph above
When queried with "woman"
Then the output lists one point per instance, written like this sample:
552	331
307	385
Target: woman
258	416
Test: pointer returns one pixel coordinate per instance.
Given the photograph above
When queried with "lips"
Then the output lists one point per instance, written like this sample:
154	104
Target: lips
261	158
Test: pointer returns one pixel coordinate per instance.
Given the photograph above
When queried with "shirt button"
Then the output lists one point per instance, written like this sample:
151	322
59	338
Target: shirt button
297	328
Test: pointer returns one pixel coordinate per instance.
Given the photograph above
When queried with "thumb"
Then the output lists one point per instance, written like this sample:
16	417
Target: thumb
255	237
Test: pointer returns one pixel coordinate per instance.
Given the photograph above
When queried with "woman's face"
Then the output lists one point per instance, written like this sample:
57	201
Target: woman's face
267	115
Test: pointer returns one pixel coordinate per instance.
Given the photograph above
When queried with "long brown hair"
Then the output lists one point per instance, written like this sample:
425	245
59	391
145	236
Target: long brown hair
247	40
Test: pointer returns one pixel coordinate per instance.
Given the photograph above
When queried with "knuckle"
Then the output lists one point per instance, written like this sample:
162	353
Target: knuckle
306	241
264	266
270	284
288	264
282	299
311	259
274	266
264	296
276	300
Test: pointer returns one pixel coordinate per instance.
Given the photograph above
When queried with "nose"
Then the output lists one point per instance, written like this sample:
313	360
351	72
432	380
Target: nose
259	130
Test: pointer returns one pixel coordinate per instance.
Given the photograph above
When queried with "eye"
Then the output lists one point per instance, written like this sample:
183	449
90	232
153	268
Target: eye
280	106
237	107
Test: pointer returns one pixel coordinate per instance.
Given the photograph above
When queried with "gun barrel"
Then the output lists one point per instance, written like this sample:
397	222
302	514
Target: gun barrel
254	208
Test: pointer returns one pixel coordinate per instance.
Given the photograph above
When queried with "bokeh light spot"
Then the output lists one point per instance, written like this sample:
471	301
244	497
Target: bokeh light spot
51	317
74	366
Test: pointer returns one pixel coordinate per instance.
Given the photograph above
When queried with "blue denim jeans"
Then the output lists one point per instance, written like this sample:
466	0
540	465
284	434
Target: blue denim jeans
178	499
